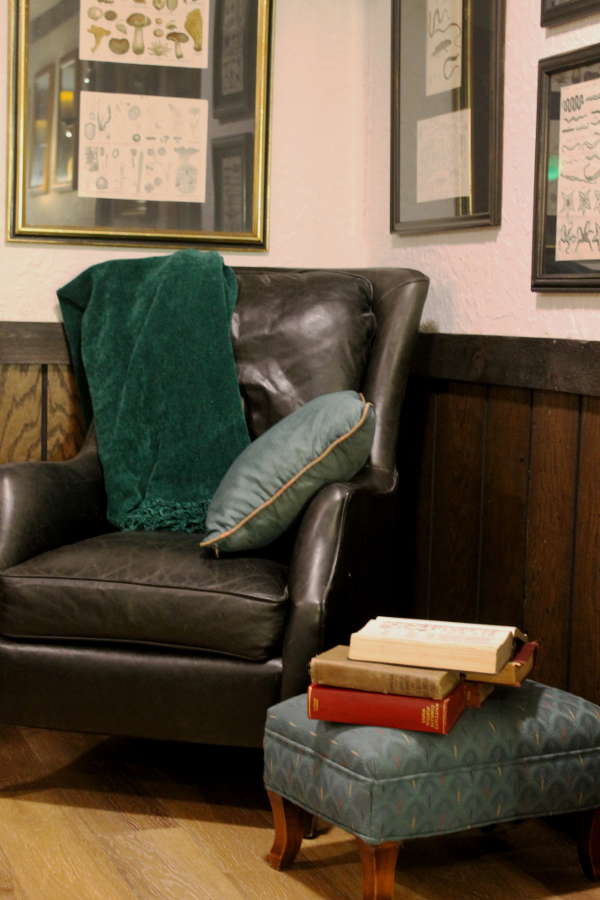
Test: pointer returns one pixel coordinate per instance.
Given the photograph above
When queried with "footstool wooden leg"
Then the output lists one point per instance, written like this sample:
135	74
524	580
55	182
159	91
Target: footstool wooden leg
379	869
289	821
589	844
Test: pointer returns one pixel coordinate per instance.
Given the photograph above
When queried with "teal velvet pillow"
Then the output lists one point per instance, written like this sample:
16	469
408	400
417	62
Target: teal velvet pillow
328	439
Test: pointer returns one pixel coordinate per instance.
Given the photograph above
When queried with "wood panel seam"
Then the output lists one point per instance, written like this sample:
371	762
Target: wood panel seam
569	617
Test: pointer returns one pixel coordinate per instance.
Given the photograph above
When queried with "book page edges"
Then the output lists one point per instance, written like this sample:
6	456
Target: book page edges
444	656
512	629
515	671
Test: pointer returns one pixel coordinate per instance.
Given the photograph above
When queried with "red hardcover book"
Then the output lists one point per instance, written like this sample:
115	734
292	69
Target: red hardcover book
332	704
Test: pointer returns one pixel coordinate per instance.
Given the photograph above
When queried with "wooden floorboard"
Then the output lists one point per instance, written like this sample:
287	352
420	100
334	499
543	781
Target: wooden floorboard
97	818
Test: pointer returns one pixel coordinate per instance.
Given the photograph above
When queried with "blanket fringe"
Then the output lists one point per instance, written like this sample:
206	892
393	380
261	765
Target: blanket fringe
157	515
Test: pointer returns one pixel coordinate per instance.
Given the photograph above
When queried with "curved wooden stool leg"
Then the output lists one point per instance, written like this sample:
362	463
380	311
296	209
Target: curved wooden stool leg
379	869
589	844
289	821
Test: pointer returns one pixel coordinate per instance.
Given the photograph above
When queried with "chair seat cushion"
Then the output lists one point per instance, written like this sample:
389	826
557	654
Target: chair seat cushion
147	587
529	751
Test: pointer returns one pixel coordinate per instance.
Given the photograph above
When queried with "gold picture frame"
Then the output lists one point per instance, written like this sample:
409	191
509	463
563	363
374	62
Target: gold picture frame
77	91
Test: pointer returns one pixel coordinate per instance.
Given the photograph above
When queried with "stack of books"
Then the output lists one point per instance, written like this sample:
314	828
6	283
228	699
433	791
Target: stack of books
416	674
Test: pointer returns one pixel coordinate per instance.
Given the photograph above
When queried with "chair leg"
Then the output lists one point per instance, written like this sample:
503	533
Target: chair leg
589	844
379	869
289	821
311	828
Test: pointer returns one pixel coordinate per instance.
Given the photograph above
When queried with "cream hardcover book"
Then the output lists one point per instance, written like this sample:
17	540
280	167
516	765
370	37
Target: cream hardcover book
462	646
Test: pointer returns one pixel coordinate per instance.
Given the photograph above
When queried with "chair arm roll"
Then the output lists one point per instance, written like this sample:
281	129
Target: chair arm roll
339	563
46	504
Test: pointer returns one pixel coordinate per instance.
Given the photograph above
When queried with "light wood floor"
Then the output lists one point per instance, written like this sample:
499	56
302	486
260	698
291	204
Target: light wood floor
89	818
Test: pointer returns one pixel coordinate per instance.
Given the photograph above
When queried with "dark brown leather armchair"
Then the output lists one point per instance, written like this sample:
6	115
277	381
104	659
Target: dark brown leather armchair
145	634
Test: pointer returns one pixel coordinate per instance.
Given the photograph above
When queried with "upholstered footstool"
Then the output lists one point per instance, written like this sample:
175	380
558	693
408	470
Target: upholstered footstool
529	751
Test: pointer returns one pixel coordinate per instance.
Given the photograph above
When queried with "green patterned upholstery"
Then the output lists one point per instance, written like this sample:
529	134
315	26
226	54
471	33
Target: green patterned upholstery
529	751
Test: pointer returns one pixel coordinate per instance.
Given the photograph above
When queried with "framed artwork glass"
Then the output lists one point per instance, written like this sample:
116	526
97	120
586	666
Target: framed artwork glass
40	130
554	11
447	86
133	122
64	173
566	220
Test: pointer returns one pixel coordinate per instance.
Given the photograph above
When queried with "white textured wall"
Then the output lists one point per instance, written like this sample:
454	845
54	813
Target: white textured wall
318	143
480	279
329	184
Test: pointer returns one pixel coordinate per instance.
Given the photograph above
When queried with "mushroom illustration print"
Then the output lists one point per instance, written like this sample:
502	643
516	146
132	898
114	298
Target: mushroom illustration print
98	32
145	32
193	26
119	45
138	22
178	38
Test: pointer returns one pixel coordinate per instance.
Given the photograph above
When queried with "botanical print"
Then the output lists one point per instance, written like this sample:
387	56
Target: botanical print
443	49
140	147
578	189
444	156
145	32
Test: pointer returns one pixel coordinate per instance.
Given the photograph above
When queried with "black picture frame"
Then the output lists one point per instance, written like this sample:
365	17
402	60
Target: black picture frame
564	193
556	11
462	124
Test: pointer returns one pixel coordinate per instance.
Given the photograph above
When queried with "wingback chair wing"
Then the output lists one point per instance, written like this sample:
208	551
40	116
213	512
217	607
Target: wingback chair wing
144	633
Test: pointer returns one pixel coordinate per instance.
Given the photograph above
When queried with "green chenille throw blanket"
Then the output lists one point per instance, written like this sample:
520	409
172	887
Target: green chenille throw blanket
151	350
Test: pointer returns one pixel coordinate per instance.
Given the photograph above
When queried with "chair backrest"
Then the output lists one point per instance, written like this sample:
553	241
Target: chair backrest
298	333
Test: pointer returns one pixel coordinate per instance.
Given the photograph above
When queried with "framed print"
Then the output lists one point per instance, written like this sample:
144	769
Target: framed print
447	86
233	84
554	11
232	168
566	221
118	111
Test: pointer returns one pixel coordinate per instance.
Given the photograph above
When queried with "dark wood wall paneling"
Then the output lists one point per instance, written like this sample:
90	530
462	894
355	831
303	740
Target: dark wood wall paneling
499	453
500	445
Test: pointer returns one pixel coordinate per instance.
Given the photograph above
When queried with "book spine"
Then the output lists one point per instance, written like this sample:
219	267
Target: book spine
333	704
337	674
476	693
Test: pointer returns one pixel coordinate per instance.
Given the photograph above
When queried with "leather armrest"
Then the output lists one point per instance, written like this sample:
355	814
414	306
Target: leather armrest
338	568
46	504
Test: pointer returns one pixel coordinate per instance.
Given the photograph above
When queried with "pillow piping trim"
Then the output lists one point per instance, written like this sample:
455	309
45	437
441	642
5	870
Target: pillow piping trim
309	465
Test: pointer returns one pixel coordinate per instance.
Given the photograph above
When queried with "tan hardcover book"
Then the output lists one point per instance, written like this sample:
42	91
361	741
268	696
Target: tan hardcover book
335	668
516	669
462	646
